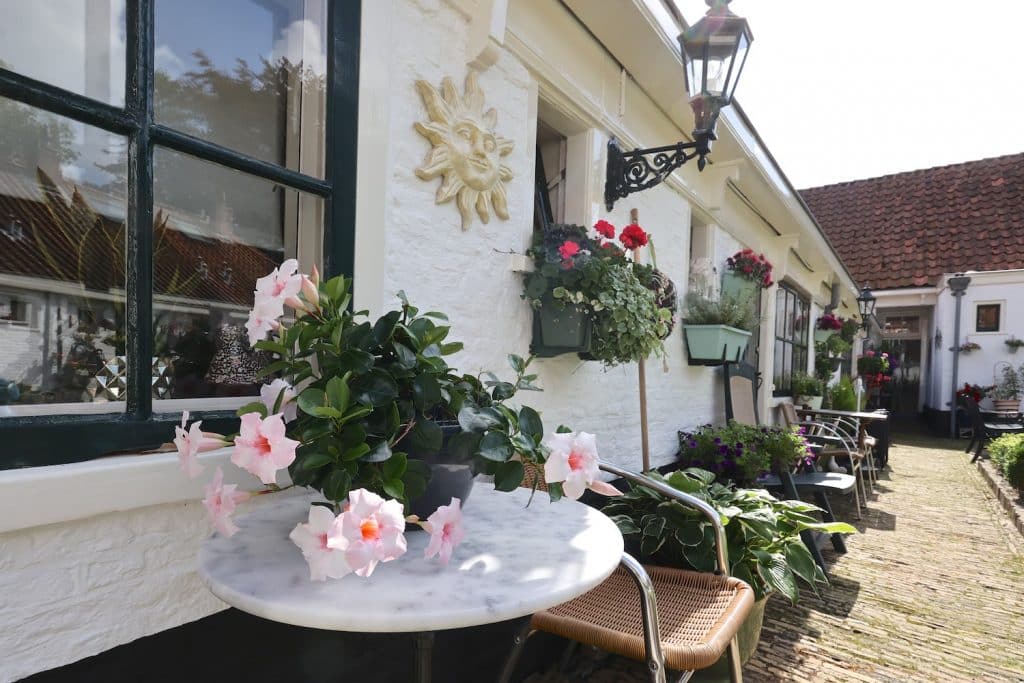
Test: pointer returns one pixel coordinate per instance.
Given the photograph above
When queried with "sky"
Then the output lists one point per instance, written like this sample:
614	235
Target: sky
848	89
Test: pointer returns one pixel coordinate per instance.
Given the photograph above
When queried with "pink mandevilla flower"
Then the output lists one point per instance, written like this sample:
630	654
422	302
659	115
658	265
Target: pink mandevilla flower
446	532
269	394
262	319
262	448
371	530
193	442
280	284
220	502
311	537
573	464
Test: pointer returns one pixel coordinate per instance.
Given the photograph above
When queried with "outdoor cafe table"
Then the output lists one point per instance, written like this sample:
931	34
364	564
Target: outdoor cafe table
864	418
514	561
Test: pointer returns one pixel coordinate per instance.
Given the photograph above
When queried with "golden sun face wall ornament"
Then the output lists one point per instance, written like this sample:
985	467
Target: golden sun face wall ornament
466	150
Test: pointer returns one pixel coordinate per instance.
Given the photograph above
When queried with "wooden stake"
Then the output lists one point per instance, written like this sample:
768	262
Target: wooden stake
645	446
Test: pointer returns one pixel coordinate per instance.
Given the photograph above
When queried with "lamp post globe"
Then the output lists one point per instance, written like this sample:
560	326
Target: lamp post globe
866	301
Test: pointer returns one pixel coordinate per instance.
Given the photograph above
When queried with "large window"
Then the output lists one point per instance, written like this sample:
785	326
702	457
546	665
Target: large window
156	158
792	312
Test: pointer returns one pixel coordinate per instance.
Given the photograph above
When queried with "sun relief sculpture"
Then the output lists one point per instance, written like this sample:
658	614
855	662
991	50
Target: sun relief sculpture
466	150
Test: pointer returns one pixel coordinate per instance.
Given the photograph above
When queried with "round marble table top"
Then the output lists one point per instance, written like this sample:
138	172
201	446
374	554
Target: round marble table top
513	561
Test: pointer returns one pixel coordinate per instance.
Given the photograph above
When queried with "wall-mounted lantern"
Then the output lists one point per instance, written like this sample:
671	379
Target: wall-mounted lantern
714	51
866	302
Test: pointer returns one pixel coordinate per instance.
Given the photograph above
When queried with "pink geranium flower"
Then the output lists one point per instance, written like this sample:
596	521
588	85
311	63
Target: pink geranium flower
193	442
446	532
262	448
371	530
269	394
573	463
220	502
311	537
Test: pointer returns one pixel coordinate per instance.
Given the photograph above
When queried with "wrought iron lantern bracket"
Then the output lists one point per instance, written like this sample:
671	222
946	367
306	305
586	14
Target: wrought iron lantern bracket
639	169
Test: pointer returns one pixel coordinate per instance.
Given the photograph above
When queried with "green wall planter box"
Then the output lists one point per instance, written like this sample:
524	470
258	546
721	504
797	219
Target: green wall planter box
822	335
715	344
738	287
559	329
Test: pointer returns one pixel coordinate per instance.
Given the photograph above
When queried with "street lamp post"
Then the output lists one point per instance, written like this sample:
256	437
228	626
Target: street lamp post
957	287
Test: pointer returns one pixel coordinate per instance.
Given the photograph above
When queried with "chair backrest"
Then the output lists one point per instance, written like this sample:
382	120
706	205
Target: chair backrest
789	415
740	383
974	412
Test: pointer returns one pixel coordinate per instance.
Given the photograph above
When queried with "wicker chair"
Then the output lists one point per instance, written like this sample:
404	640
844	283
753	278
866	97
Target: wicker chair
670	618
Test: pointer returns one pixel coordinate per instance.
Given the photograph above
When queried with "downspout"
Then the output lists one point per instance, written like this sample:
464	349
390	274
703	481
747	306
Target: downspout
957	287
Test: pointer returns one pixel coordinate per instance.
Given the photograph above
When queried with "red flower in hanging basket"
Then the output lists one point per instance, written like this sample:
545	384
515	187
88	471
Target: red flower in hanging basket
605	229
568	250
751	266
633	236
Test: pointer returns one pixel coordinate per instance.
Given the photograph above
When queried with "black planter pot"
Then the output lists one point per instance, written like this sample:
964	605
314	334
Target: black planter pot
559	329
451	476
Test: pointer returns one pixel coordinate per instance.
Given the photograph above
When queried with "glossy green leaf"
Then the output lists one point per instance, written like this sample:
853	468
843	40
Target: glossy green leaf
496	446
508	476
254	407
311	399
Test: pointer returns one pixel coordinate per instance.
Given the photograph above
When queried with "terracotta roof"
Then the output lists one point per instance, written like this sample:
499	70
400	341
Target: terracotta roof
907	229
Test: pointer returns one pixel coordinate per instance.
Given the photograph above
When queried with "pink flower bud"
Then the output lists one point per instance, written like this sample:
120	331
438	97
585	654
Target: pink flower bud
311	290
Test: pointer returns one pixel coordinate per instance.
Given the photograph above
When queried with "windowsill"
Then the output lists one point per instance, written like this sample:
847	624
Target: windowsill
52	494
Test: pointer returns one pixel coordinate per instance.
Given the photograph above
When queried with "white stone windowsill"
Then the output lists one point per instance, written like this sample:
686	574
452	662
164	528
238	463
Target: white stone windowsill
36	496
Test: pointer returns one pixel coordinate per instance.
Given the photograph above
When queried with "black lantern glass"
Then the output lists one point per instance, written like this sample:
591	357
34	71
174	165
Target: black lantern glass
867	302
714	51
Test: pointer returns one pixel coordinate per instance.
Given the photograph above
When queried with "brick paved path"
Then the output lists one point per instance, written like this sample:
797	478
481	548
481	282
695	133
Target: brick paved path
932	589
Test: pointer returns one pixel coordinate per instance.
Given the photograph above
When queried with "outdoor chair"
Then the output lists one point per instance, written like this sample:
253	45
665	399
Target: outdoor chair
672	619
984	431
740	384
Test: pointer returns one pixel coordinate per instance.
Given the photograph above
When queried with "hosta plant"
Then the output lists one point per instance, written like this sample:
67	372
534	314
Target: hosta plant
762	533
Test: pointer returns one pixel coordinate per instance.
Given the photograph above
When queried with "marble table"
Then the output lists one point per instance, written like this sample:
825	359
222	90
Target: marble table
514	561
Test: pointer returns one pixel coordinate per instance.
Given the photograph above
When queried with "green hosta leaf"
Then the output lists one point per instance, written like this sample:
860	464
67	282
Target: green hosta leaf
700	557
651	544
426	393
530	423
496	446
685	483
395	466
311	399
337	393
801	562
627	526
378	453
508	476
827	527
776	573
254	407
741	570
654	526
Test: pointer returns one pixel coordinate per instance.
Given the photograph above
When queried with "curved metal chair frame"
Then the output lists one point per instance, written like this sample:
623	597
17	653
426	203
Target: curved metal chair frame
654	654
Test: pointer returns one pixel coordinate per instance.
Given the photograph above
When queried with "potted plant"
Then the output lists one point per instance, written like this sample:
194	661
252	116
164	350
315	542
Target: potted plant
1007	453
740	454
1006	394
969	347
746	274
717	330
592	296
843	396
1013	344
826	326
808	390
762	535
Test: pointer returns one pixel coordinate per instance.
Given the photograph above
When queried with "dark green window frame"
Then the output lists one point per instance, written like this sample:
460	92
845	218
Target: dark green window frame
49	440
792	344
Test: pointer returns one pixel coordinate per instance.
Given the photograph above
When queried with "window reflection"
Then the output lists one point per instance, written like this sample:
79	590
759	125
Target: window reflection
217	231
62	256
246	74
78	45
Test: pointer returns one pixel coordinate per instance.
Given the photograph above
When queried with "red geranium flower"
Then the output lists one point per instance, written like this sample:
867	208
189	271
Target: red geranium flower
605	229
633	236
568	249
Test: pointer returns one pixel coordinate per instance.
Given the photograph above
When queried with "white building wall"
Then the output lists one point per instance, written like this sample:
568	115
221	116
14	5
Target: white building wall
77	587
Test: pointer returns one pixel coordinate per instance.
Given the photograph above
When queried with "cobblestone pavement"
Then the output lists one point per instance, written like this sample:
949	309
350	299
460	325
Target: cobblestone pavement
932	589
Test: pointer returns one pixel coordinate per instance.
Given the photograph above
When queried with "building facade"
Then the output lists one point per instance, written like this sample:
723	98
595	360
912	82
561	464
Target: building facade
298	137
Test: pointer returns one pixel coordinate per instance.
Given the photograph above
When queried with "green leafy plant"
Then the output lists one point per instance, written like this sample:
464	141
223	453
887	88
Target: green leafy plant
1011	386
631	305
375	398
733	311
1014	343
807	385
762	533
843	396
1007	453
741	453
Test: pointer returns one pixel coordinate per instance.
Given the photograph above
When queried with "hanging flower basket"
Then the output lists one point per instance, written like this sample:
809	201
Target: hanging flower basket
715	344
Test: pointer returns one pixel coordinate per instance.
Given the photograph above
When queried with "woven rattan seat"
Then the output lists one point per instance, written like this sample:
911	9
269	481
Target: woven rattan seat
698	613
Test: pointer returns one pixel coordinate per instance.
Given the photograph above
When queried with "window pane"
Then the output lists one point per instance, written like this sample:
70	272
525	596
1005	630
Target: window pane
62	264
77	45
246	74
988	318
216	232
